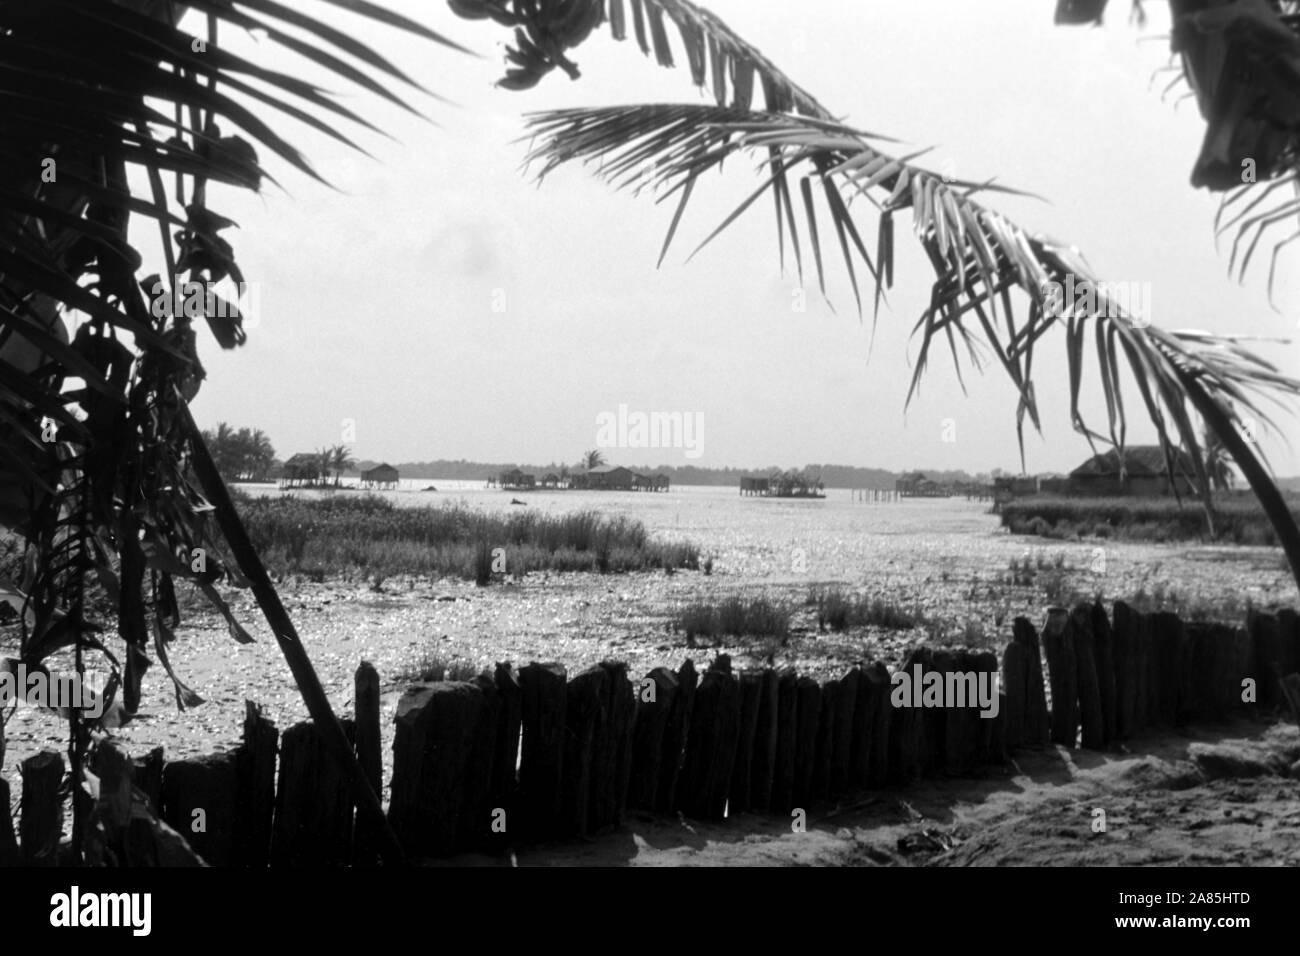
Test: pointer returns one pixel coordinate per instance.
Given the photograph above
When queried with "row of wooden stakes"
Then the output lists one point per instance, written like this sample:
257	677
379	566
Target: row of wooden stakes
532	754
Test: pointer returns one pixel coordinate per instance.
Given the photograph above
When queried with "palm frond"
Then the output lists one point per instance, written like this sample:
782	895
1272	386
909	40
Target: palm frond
983	263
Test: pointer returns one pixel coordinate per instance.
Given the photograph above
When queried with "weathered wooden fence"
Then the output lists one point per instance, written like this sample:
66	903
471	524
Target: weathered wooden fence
533	754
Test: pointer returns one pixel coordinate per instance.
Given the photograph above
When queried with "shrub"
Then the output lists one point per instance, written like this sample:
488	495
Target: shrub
344	534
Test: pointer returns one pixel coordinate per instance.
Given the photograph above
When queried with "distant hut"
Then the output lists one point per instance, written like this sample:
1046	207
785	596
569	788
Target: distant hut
1143	471
516	478
300	470
384	477
642	482
550	480
659	482
611	478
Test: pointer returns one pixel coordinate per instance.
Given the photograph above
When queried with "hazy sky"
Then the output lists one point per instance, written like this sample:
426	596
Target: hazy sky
376	303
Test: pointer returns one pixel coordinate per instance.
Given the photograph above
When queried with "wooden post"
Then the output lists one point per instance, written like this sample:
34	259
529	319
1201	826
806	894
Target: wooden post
1058	645
875	679
365	842
581	715
1124	654
786	739
654	703
742	773
146	776
821	778
1243	666
40	817
809	706
1288	625
675	737
1103	653
1168	641
1015	680
989	732
505	758
198	802
613	764
909	748
860	739
711	743
1037	725
543	704
1094	737
843	749
1267	637
482	818
439	727
766	732
8	842
313	806
255	792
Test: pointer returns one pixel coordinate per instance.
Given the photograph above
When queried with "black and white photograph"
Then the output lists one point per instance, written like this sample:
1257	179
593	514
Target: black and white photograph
571	436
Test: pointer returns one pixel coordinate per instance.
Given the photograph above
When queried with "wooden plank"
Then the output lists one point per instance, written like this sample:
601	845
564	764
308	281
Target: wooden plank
543	702
1015	681
365	685
1124	653
255	791
146	776
821	776
1058	646
989	731
313	804
505	746
479	812
438	727
40	814
711	743
1103	653
875	678
9	855
808	721
614	755
1167	647
786	740
742	773
654	703
844	748
1037	721
1089	684
1267	638
675	737
582	714
908	745
198	802
765	741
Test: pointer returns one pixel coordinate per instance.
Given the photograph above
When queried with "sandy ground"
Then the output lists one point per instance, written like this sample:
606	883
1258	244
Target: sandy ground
1213	797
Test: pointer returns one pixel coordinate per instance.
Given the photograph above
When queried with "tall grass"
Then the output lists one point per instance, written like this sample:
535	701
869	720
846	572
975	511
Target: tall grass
735	616
1237	519
840	610
368	534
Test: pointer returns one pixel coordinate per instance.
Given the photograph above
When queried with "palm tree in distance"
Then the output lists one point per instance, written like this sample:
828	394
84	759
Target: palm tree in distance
592	459
340	460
